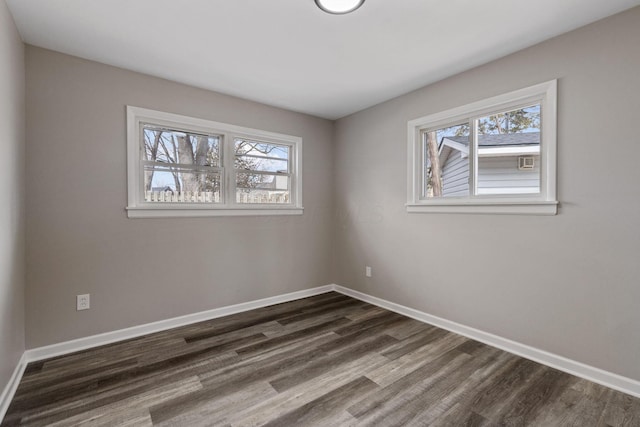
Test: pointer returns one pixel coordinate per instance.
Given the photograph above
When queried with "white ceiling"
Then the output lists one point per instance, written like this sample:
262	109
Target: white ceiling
290	54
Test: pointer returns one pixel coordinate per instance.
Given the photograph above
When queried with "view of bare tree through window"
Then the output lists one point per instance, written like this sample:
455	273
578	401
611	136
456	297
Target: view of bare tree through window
262	172
180	166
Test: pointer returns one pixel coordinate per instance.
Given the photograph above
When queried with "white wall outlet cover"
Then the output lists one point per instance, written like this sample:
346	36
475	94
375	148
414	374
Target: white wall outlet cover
83	302
367	271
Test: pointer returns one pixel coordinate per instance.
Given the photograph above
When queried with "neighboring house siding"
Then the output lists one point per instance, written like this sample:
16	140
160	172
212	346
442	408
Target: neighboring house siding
500	175
455	175
496	175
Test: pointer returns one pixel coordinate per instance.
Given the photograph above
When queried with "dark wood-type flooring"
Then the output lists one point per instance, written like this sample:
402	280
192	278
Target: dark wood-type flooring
327	360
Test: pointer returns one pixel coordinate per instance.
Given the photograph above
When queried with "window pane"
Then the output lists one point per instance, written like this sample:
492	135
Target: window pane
446	154
180	185
261	188
260	156
177	147
509	152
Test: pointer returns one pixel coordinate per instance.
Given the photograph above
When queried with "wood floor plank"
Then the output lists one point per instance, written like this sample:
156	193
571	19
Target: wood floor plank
365	312
533	399
324	309
182	347
253	318
230	379
319	318
357	326
622	410
420	404
107	414
319	411
212	411
81	385
572	408
418	358
502	389
411	327
326	360
414	342
307	392
413	382
119	389
460	415
299	335
455	390
52	381
324	364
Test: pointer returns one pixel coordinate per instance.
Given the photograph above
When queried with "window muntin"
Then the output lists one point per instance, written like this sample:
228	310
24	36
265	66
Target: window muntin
182	166
511	153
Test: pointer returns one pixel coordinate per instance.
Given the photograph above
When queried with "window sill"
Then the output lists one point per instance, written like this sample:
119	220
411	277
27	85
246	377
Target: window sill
164	212
512	207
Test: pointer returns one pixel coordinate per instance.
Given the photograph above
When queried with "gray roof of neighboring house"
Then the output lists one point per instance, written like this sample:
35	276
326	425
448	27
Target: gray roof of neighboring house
528	138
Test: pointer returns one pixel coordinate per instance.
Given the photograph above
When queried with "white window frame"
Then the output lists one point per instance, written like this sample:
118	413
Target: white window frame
543	203
137	207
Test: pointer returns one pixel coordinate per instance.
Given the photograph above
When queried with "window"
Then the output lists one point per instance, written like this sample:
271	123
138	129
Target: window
491	156
182	166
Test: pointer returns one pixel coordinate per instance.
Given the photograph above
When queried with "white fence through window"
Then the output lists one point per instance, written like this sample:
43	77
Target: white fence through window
256	197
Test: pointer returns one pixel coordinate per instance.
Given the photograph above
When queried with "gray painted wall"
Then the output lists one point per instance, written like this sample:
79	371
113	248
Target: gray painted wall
12	229
142	270
568	284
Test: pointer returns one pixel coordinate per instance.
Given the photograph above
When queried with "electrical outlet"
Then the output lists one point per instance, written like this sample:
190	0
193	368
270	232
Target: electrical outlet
83	302
367	271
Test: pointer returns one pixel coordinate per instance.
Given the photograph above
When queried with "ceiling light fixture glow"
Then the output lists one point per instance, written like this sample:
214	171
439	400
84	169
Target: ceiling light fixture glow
339	7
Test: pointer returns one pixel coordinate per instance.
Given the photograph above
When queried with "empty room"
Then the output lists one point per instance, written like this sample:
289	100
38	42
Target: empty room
319	213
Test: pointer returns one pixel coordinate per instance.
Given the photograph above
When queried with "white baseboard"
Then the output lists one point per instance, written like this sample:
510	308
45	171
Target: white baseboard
67	347
11	387
600	376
